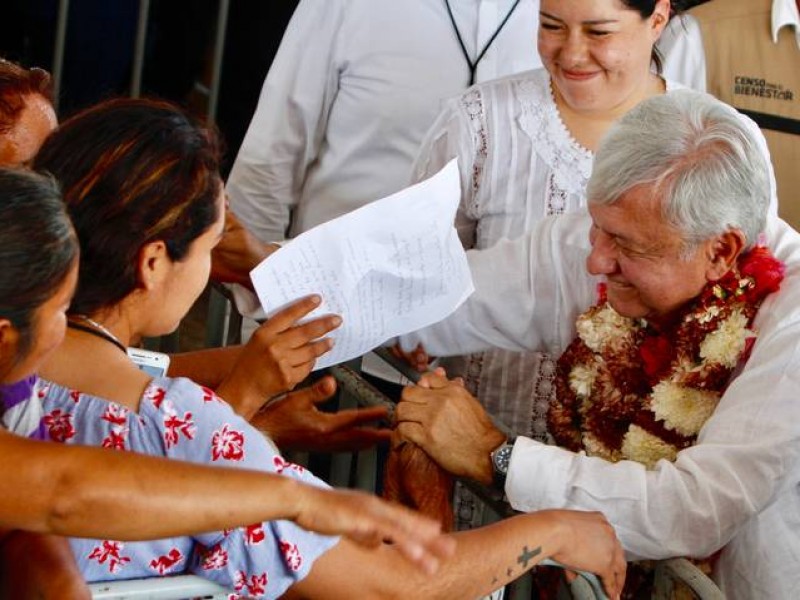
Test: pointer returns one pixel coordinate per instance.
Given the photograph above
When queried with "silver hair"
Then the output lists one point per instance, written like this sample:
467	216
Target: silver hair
699	155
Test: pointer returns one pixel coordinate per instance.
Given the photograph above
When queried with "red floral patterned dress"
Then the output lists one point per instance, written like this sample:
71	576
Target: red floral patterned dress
181	420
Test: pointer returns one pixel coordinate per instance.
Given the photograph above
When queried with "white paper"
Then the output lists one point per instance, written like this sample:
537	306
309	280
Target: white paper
391	267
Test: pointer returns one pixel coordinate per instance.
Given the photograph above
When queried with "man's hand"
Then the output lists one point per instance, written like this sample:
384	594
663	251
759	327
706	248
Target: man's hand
294	422
587	542
237	253
445	420
279	355
369	521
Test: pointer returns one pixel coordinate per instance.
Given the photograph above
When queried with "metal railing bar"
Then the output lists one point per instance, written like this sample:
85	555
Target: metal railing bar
58	50
138	49
216	63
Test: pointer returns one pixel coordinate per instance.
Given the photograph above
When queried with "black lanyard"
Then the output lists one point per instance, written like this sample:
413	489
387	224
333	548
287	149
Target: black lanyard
473	66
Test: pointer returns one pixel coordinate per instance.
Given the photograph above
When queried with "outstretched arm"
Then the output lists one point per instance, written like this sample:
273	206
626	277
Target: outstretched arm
81	492
485	559
294	422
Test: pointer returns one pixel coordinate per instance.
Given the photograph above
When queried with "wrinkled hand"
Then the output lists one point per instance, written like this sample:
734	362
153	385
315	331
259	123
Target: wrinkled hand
237	253
278	356
413	479
369	521
445	420
418	359
41	567
589	543
294	422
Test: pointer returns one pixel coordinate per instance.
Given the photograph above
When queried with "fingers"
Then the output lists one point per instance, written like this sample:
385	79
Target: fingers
419	359
352	417
320	391
417	538
287	317
434	380
411	411
368	520
317	393
413	432
300	335
352	440
620	568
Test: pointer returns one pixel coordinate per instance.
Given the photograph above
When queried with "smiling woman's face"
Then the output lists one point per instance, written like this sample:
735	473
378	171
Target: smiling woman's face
598	53
36	121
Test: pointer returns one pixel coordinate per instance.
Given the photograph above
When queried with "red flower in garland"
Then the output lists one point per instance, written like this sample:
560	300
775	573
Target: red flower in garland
656	353
765	270
602	293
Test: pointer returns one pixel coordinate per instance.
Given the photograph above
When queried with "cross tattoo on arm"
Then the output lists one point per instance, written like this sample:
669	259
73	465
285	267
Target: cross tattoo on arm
528	555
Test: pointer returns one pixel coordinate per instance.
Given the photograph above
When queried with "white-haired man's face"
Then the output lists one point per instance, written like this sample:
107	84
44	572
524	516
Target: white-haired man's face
643	260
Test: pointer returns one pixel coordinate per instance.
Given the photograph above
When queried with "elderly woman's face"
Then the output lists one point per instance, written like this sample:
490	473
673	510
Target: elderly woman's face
640	256
598	53
34	124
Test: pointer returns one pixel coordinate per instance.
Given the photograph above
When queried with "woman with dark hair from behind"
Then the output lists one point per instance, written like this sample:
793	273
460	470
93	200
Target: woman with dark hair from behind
141	184
280	354
53	489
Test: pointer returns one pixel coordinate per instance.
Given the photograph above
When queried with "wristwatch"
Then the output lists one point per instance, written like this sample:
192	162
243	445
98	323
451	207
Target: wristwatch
501	457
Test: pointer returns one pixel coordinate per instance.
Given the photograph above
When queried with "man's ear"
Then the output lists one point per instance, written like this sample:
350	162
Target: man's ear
154	263
723	252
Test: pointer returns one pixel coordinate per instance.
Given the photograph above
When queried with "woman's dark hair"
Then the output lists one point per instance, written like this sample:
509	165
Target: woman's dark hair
37	248
646	8
16	83
132	172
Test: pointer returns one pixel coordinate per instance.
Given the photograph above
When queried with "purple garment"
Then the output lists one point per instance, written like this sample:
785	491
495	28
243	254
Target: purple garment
13	394
180	420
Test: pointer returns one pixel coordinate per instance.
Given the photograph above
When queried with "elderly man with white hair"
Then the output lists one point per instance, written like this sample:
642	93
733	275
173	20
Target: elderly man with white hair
676	426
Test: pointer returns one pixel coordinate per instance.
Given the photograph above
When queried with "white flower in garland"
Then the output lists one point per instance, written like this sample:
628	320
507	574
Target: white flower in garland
683	409
629	389
646	448
581	380
604	328
725	345
595	447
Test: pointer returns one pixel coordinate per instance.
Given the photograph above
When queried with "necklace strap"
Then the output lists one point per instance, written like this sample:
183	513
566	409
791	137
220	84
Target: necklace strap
105	335
473	65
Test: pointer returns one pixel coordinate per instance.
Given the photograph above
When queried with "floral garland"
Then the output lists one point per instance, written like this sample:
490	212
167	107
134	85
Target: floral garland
628	391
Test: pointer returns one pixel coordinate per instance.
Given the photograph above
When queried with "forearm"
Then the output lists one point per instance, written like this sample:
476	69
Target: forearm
485	559
77	491
688	508
530	303
207	367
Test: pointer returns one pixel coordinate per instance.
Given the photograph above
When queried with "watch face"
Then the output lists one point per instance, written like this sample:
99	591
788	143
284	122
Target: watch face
501	458
505	458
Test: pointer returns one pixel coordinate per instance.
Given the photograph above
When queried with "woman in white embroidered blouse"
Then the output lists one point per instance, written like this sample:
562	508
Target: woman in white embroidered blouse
525	145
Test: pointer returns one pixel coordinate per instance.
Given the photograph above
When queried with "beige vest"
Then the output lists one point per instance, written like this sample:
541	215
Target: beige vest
760	78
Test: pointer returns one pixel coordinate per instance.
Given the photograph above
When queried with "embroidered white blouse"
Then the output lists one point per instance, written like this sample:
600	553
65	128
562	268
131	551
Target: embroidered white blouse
519	164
